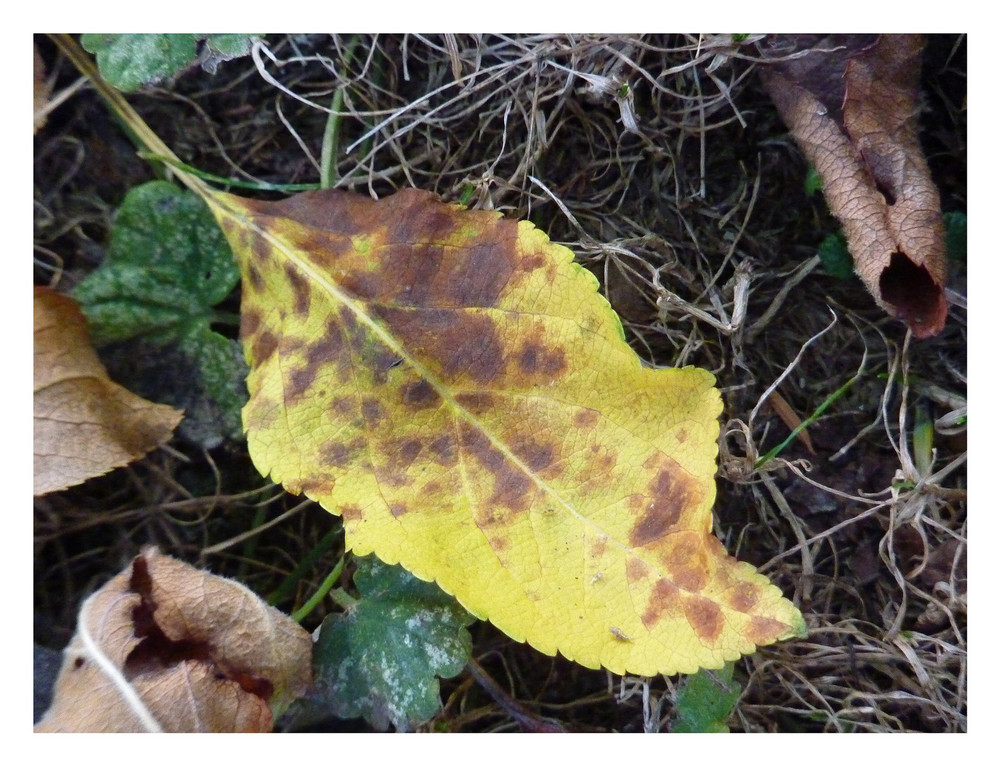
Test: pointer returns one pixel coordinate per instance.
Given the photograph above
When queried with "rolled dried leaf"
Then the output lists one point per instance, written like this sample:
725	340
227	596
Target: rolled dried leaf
851	102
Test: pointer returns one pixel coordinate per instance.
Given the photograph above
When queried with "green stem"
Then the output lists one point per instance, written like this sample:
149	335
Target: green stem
301	613
222	180
344	599
331	134
807	422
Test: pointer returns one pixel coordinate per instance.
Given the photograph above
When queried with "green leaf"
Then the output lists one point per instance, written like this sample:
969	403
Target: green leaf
705	702
956	235
219	48
813	183
129	61
165	268
835	257
230	46
381	658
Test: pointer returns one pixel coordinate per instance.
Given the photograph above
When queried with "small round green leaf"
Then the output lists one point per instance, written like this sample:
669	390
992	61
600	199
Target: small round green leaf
381	659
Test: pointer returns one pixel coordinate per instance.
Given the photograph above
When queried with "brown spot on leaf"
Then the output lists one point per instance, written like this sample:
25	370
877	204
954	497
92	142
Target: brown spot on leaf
586	418
430	491
744	596
261	412
499	543
511	487
349	322
312	488
704	616
249	322
443	448
664	601
409	450
420	395
597	546
398	509
333	210
371	410
636	570
335	454
393	473
351	512
338	454
457	343
264	344
478	402
261	257
600	464
343	405
764	630
300	289
328	349
438	261
668	495
537	456
532	262
362	286
299	380
537	359
367	352
687	562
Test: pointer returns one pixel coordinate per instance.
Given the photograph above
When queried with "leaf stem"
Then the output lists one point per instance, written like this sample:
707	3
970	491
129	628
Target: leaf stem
176	164
331	134
302	612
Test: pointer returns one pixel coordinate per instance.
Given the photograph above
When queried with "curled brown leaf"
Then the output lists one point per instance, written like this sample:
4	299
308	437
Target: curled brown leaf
851	102
167	647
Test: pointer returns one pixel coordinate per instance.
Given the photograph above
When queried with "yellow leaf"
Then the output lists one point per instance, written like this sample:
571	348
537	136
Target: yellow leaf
453	385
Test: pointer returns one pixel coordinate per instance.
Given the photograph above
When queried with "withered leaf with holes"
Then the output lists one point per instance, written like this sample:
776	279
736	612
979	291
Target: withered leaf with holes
167	647
852	104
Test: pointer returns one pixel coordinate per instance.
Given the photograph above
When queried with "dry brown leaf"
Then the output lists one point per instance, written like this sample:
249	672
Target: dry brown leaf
852	104
85	424
42	88
167	647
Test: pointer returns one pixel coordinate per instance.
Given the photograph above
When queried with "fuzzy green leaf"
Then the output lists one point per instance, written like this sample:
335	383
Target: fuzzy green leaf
165	268
219	48
129	61
706	701
382	657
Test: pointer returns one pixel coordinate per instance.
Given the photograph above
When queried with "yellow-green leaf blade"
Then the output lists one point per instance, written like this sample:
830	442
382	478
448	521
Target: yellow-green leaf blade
452	384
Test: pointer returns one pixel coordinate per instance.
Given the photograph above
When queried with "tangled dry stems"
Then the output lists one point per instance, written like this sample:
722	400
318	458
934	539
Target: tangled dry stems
660	164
